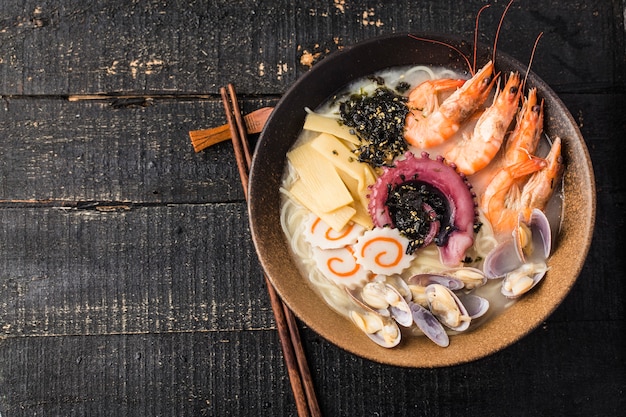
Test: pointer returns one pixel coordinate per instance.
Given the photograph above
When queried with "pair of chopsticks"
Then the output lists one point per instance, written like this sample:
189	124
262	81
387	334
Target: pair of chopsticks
297	368
203	138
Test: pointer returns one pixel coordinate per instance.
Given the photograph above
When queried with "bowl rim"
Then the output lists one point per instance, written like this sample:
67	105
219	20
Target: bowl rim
512	324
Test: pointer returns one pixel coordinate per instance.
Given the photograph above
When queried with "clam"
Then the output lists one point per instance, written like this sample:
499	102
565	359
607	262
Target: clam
385	300
475	305
521	261
534	238
523	279
447	280
398	306
502	260
374	294
447	307
429	325
418	283
470	277
381	330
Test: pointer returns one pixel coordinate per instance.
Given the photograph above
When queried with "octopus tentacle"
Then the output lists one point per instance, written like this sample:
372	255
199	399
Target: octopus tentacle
456	221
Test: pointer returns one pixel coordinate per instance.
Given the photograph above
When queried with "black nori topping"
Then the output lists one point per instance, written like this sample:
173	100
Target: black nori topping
378	120
405	203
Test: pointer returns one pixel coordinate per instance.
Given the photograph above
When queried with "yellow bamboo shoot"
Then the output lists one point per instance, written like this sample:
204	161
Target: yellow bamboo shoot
320	177
324	124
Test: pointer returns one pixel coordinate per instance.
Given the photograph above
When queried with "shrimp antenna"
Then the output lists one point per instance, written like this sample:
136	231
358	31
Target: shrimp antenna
498	30
469	64
532	55
476	34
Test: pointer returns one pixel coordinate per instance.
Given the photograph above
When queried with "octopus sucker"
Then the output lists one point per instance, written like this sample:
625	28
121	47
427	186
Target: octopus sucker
405	195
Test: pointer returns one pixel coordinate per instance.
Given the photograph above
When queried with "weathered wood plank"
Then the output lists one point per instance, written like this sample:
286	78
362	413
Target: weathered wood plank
183	47
90	151
242	374
141	270
175	374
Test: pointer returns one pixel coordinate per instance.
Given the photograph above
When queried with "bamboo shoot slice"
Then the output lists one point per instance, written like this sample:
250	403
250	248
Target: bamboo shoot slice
323	124
320	177
337	219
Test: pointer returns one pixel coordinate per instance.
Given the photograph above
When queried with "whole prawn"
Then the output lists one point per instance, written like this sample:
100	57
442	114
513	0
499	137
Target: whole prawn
523	141
507	196
446	119
502	200
474	151
541	185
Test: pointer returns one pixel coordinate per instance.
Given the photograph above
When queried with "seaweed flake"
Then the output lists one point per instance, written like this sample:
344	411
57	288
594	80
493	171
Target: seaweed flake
378	120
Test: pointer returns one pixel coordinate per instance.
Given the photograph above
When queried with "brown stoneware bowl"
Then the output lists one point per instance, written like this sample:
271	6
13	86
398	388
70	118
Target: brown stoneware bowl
283	127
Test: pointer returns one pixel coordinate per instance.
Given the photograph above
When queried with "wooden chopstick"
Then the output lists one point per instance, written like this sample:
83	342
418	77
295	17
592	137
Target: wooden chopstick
289	335
203	138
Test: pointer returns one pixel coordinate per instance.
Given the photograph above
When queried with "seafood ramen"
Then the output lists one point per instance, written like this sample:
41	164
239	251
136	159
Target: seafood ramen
418	202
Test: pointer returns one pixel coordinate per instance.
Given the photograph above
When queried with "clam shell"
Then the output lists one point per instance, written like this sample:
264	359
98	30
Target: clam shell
475	305
538	245
374	294
447	307
518	282
381	330
501	260
470	277
447	281
429	325
531	243
399	307
383	299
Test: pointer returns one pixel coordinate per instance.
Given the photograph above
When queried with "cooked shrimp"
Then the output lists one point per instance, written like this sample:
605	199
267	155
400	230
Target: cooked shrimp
523	141
541	185
425	97
476	150
445	120
501	201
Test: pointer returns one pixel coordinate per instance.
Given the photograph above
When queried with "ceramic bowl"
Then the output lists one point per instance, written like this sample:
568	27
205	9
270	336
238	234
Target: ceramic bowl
283	127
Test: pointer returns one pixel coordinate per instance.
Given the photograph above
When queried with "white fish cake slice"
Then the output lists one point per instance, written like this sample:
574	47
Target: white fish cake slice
383	251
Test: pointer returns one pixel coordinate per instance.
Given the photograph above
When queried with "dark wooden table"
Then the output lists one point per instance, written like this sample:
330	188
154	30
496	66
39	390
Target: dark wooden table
128	281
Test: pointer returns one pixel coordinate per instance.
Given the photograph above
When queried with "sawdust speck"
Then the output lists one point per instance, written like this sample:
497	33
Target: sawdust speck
340	5
281	68
307	59
368	18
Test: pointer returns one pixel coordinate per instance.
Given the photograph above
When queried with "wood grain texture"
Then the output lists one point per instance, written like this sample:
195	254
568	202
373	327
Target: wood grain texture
162	47
93	151
128	281
137	270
